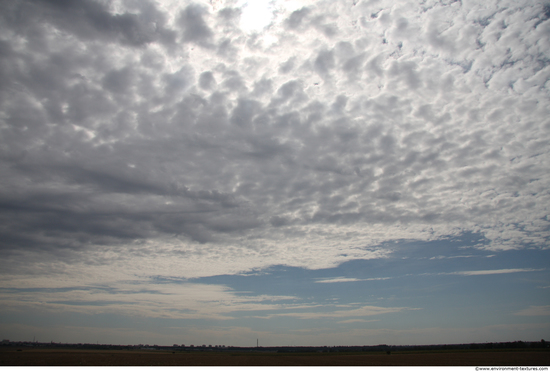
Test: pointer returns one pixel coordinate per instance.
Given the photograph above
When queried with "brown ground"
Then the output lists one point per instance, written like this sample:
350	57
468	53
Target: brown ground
57	357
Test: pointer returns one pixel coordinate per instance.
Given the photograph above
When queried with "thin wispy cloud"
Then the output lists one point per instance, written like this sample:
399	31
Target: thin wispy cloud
450	257
493	272
364	311
356	321
344	280
535	311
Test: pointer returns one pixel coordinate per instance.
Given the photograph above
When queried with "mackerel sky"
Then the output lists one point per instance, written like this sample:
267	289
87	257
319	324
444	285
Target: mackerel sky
300	172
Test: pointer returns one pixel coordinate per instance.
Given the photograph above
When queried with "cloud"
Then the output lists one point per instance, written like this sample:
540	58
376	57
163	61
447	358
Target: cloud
535	311
355	321
296	18
288	153
450	257
492	272
338	280
344	280
93	20
361	311
193	25
145	298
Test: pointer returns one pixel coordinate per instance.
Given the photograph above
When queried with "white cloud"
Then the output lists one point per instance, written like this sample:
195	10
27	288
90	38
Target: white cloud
344	280
356	321
338	280
362	311
492	272
143	298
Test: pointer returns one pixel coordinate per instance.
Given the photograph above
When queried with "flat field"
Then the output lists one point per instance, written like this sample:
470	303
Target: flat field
71	357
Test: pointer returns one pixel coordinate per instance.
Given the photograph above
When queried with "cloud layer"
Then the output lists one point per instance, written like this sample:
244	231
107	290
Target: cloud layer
134	124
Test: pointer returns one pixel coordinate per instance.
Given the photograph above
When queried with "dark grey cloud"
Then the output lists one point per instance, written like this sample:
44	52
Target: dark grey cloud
178	81
324	62
207	80
264	86
229	14
90	20
287	66
118	81
193	25
297	17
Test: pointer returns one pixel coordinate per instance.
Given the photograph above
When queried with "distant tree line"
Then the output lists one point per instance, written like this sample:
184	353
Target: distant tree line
542	344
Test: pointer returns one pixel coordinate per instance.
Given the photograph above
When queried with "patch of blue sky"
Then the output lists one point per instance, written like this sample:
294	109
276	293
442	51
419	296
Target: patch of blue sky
449	282
69	319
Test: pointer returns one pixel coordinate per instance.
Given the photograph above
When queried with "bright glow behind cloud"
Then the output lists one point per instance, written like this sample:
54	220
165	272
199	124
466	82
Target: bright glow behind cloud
256	15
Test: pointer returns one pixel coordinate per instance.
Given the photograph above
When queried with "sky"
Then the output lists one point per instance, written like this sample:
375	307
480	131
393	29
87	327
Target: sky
353	172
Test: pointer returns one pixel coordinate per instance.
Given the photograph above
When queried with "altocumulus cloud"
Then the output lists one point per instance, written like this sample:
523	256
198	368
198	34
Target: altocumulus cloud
157	138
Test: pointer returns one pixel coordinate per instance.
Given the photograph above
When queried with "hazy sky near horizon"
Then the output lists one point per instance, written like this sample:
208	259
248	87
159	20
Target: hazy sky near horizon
301	172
